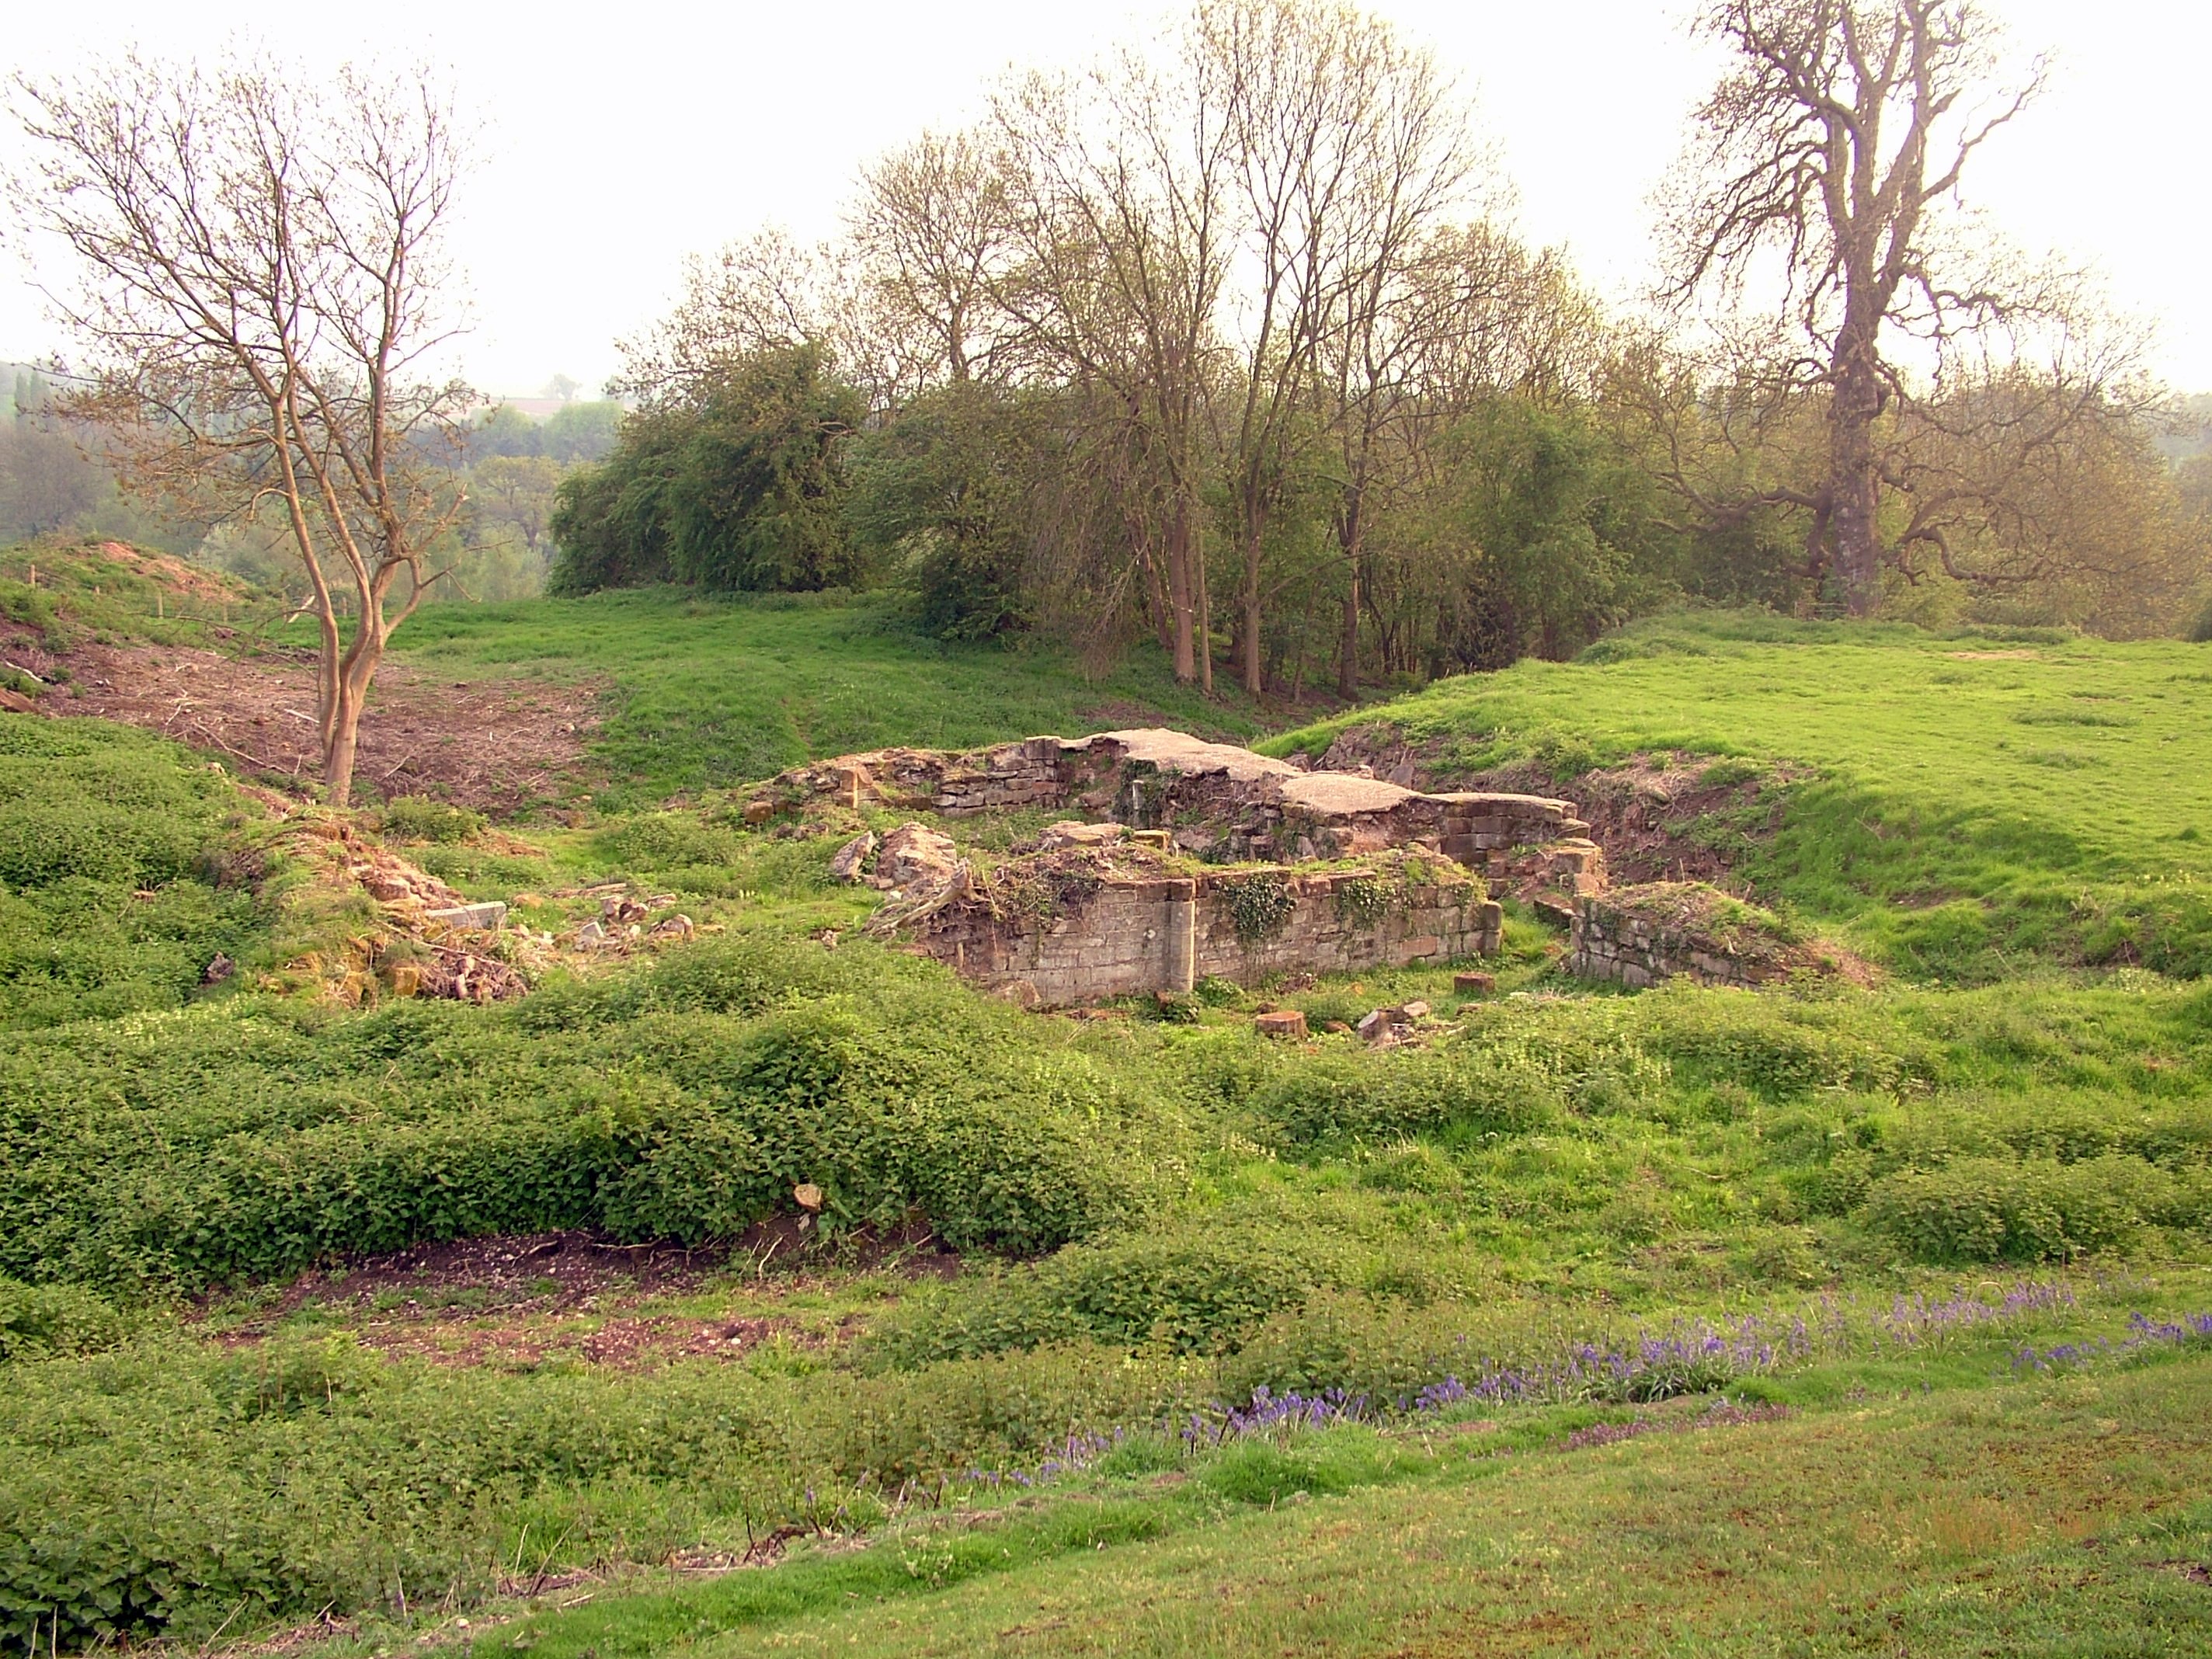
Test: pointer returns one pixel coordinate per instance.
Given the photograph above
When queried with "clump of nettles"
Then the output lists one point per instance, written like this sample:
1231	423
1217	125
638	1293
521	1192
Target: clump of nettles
1259	903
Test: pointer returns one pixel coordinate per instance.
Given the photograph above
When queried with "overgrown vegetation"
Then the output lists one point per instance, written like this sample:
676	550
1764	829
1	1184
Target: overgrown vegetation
1160	1218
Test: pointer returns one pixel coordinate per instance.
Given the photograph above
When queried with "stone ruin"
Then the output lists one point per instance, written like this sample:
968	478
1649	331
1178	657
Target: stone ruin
1638	935
1193	860
1214	802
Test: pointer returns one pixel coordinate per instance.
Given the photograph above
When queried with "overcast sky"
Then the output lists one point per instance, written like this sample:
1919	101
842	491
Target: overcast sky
619	137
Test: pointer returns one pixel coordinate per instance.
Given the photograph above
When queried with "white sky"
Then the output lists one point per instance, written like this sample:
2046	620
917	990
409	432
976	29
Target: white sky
619	137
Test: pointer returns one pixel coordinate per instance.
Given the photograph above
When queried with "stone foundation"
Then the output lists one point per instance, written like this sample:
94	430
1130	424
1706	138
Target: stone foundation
1113	933
1639	936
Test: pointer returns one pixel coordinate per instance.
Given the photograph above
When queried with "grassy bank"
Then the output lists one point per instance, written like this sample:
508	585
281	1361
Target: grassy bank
1551	1269
1957	805
708	693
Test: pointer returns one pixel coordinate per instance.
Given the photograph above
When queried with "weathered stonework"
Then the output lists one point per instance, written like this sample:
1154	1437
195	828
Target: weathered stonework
1123	921
1217	801
1638	935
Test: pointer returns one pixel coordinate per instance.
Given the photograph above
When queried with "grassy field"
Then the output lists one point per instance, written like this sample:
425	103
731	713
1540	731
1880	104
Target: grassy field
1957	805
1824	1319
709	693
2055	1517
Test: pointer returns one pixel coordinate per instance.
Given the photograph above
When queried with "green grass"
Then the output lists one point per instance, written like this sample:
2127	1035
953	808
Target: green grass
1155	1214
708	693
2062	1517
1962	804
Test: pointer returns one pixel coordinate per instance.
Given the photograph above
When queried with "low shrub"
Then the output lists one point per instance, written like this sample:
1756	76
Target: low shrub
666	840
1982	1209
419	818
214	1147
1193	1286
157	1492
38	1322
114	889
1458	1088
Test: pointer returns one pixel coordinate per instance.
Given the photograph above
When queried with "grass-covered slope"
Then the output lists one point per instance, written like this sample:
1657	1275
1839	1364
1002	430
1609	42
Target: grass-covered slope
1493	1252
706	693
115	893
1960	803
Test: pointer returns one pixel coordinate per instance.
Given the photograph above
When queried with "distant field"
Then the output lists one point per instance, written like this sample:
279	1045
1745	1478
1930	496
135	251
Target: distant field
1957	802
709	693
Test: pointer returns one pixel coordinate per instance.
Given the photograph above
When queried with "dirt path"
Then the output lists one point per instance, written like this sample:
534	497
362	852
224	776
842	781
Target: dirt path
496	745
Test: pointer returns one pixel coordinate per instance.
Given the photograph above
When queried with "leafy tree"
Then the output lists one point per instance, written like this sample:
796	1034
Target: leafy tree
503	429
1554	513
939	495
581	433
737	486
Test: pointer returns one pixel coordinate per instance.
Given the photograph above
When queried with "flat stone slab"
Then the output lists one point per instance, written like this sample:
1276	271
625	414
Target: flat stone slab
1178	751
484	918
1341	794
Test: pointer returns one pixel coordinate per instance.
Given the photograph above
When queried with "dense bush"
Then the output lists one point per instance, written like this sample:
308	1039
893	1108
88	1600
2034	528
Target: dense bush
687	1102
735	488
109	898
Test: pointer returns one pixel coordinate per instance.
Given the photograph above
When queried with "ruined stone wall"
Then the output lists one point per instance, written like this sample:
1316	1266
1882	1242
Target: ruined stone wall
1428	922
1166	934
1608	940
1214	799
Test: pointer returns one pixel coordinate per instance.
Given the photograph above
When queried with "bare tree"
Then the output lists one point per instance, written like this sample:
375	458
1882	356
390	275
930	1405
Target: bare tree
1826	165
934	245
1119	183
1386	320
259	271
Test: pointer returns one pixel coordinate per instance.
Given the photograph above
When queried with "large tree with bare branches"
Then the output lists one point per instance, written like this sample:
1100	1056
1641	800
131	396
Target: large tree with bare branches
258	289
1826	168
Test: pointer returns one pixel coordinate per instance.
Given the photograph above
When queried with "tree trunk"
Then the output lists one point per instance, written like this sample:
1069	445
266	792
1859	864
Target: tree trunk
1348	662
1255	525
1854	482
338	760
1179	597
1204	615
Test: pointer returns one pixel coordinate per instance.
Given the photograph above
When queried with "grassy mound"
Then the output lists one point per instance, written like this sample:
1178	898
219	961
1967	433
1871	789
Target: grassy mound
115	896
712	693
1957	802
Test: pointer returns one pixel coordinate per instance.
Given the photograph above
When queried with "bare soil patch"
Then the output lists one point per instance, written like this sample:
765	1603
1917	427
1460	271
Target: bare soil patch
495	744
524	1301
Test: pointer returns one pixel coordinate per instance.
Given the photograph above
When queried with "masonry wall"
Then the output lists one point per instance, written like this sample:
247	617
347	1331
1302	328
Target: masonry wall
1605	943
1167	933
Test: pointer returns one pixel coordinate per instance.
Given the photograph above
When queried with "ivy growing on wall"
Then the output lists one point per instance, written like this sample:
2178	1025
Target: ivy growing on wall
1364	900
1260	903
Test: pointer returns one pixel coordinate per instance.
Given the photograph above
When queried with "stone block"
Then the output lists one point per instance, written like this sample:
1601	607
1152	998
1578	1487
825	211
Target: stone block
471	918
